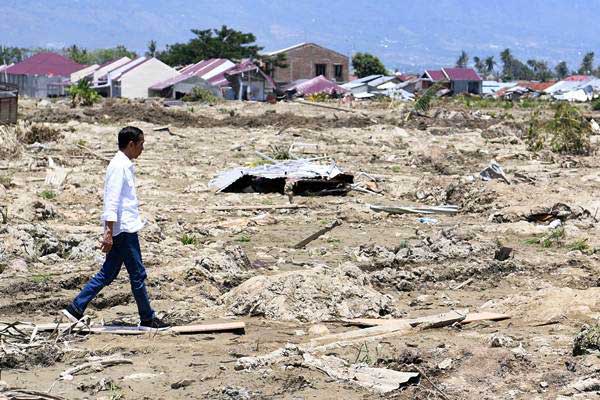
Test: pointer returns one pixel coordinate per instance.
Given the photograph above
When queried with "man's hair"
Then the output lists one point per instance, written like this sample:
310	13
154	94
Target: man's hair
129	134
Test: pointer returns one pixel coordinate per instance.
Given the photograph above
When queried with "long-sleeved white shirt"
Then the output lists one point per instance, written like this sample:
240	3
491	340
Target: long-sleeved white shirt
120	200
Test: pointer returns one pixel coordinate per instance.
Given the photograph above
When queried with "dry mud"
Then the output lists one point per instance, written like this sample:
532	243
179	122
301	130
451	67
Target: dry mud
241	265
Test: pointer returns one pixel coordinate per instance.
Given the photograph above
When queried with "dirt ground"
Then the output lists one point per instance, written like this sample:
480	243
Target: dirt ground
206	265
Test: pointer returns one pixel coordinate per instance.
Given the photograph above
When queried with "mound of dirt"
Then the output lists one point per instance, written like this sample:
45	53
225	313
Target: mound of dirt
120	112
224	269
308	296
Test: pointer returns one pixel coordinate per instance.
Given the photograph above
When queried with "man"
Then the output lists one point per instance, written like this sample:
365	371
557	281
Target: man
120	241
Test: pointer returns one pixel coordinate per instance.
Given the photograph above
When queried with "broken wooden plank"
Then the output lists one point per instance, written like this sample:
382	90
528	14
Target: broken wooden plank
470	317
415	210
317	234
306	103
484	316
106	362
258	208
93	153
396	326
237	326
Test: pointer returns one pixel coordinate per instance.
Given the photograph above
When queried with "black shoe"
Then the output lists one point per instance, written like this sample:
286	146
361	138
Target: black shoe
154	323
72	314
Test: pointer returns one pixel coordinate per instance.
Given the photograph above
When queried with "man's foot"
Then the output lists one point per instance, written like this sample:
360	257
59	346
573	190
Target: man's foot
72	314
154	323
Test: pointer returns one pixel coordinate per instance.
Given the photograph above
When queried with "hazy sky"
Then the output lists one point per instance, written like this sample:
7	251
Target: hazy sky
404	33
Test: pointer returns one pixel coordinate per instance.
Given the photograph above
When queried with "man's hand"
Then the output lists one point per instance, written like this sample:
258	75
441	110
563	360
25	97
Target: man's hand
107	239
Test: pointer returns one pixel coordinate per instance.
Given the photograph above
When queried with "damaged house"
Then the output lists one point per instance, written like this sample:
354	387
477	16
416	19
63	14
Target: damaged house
249	82
9	101
458	80
297	177
309	60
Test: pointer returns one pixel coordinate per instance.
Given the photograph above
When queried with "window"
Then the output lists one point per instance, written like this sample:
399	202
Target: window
320	69
338	72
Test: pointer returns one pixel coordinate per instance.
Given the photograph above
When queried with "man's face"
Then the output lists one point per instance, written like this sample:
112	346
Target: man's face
138	147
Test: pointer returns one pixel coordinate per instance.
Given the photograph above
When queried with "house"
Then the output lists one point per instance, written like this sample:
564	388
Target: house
108	67
195	75
42	75
84	73
309	60
460	80
134	79
249	82
9	101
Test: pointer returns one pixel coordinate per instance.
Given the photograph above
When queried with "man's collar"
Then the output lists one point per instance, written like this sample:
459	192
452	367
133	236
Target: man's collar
125	159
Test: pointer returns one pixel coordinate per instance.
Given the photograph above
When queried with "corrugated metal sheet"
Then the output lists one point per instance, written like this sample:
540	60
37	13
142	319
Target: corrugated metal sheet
50	64
578	78
292	169
435	75
319	84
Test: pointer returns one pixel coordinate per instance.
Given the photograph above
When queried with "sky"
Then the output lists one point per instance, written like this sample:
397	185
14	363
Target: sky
407	35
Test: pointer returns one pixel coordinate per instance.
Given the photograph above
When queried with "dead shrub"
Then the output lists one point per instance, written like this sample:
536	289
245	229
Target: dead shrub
10	148
37	133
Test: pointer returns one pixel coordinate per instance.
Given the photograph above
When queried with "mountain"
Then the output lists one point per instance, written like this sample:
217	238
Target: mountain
405	34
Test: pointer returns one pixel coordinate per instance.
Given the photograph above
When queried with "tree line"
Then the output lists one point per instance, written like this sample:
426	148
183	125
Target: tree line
514	69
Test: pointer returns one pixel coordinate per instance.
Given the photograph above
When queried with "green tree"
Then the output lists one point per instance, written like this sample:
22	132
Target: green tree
151	49
101	56
463	60
587	64
479	65
561	70
540	70
365	64
11	55
212	43
514	69
490	64
77	54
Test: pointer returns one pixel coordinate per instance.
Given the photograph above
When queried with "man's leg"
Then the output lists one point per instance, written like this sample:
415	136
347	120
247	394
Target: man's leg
132	256
109	271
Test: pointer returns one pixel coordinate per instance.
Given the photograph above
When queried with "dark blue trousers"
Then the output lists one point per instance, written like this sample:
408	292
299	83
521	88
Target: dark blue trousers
125	249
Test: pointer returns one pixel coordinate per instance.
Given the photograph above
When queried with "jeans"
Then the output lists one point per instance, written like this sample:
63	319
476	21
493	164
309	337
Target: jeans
125	249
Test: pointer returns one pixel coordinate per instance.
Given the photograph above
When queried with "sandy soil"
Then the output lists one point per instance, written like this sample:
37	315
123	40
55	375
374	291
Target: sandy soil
407	268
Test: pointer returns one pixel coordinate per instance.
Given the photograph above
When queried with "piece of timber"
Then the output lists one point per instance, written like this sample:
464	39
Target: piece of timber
257	208
471	317
134	330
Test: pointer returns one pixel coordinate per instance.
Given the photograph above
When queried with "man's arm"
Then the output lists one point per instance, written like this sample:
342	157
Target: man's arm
112	199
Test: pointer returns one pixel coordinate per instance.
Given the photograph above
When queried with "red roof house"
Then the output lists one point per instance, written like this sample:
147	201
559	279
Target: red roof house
49	64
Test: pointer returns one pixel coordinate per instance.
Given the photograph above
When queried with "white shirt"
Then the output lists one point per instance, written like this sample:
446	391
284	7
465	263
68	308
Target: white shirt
120	200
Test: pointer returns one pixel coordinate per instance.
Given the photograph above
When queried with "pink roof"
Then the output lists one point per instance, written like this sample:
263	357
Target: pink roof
51	64
171	81
436	75
461	74
205	66
578	78
246	66
317	85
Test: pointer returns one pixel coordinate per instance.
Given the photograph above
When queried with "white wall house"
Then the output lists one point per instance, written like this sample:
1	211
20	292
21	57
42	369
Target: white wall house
134	82
106	68
82	73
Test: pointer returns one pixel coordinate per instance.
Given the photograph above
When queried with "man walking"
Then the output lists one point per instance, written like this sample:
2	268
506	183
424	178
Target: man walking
120	241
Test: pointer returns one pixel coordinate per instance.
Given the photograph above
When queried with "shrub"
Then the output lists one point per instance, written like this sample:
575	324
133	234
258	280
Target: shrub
567	132
47	194
83	95
596	104
201	95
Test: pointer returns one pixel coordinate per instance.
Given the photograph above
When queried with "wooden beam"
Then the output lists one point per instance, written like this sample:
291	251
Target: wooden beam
134	330
317	234
257	208
471	317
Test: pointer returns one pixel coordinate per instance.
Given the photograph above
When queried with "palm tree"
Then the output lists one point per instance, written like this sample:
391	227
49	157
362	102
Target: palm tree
463	60
490	63
479	65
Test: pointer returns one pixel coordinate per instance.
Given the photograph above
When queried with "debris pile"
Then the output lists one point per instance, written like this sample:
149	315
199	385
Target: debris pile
309	295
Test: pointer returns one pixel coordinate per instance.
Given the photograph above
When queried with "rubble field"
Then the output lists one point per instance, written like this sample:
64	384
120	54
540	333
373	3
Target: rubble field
524	245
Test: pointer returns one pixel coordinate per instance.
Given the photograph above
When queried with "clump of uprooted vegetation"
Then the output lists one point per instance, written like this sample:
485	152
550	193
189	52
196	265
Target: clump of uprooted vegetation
568	132
587	340
201	95
12	138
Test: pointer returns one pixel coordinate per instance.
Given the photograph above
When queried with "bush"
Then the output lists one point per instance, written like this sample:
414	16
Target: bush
596	104
201	95
567	132
83	95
